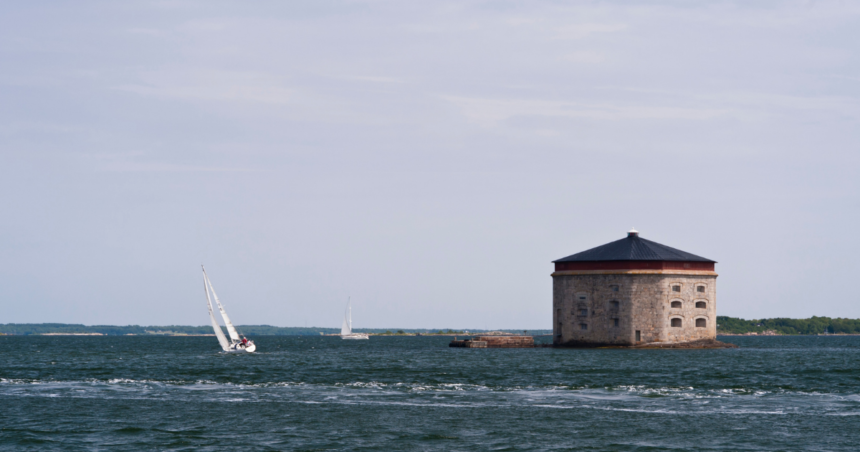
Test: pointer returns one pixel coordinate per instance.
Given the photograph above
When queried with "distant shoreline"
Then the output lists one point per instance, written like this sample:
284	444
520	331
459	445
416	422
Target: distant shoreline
393	335
726	326
789	335
64	329
100	334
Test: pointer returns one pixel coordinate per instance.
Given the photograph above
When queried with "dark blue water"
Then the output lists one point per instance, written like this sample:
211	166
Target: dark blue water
388	393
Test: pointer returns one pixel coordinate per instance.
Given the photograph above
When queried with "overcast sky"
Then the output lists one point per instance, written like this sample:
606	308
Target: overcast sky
428	159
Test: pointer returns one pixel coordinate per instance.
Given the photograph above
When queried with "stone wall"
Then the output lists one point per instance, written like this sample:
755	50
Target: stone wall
608	308
688	313
507	341
495	342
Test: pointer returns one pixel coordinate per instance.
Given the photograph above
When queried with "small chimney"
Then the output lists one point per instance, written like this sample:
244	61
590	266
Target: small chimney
633	233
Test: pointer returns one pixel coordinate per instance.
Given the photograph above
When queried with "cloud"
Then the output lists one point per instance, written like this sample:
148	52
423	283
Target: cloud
493	111
212	85
585	57
168	168
370	78
132	161
743	106
580	31
148	31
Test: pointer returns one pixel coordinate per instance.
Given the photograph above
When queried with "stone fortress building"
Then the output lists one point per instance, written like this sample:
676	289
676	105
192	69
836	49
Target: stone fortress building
633	291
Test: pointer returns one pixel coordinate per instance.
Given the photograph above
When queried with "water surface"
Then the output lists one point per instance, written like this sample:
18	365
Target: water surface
415	393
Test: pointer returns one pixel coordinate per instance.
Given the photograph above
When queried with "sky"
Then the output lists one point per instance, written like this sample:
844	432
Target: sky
426	159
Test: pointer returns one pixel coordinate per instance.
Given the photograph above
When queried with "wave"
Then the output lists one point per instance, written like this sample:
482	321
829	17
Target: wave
656	400
616	391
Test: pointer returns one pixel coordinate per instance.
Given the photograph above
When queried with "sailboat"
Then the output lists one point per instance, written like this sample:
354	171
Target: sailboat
346	328
237	343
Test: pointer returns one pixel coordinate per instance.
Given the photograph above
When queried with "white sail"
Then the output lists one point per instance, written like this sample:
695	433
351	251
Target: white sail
231	330
218	333
344	329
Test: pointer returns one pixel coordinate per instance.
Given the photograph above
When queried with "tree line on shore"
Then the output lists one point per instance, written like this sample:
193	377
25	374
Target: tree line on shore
814	325
725	325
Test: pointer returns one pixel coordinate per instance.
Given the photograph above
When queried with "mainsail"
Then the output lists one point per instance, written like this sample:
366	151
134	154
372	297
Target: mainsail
346	329
231	330
218	333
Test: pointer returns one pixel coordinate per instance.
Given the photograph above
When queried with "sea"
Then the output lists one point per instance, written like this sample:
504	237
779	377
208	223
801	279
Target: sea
415	393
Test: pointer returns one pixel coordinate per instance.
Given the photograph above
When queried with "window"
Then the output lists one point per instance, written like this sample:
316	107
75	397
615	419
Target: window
582	297
614	288
701	305
638	336
583	312
615	322
701	323
676	288
676	305
700	289
614	304
676	323
583	326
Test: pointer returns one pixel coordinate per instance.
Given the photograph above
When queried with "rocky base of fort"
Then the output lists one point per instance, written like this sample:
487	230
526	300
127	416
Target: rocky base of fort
697	344
702	343
528	342
495	342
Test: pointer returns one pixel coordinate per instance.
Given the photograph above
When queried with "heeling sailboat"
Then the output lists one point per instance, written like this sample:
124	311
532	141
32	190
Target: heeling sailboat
236	343
346	328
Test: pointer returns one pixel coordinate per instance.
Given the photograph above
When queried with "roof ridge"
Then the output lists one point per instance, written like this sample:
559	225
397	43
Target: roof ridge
669	248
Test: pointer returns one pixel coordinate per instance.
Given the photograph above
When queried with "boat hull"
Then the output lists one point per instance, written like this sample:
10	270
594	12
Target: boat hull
355	336
238	347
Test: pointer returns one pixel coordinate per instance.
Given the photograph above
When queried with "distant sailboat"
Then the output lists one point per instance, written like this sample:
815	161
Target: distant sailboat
346	328
236	343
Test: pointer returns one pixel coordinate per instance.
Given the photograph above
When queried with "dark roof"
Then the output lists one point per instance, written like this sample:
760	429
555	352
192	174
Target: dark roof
633	248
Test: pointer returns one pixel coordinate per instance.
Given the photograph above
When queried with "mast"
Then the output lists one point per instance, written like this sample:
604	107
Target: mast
231	330
218	333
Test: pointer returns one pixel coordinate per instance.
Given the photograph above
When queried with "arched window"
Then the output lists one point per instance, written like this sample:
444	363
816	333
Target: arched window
701	305
701	323
676	323
676	305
